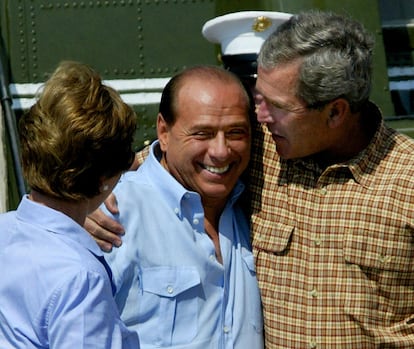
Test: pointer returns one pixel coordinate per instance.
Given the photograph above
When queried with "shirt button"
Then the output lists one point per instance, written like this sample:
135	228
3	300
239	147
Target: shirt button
170	289
323	191
314	293
226	329
313	345
385	259
196	221
212	257
177	210
317	242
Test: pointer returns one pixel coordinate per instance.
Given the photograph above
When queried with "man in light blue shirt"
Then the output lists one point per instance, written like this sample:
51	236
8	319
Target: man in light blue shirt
185	273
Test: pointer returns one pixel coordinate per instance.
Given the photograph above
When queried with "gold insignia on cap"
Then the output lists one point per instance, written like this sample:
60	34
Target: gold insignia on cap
261	23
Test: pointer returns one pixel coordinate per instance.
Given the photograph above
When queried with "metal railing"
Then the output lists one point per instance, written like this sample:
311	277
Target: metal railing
11	127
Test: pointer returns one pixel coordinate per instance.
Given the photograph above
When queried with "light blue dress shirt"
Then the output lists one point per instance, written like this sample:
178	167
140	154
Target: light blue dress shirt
171	288
54	293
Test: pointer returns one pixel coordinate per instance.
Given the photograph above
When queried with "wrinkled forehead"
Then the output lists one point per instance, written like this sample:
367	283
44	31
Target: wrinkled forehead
216	87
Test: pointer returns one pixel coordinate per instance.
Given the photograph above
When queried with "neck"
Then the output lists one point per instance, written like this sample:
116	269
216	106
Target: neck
77	210
211	223
212	212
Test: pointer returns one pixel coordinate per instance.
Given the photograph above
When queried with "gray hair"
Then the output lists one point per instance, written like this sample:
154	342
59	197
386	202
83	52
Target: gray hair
336	53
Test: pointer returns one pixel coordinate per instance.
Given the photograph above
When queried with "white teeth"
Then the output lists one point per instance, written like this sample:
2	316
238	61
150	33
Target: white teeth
218	170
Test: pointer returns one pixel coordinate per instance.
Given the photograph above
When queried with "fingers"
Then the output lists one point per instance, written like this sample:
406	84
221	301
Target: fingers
104	245
106	231
111	204
135	163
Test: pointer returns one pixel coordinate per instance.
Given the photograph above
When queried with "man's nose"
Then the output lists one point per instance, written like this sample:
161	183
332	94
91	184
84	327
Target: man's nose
262	111
219	147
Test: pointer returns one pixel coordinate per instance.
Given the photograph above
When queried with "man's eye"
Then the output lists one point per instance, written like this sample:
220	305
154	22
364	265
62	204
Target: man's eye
201	134
277	106
237	133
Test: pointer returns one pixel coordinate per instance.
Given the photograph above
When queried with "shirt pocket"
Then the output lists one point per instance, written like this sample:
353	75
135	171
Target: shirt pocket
254	305
271	237
271	244
169	306
380	282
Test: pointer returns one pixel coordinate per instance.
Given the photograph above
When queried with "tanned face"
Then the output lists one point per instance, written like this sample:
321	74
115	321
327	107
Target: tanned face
208	146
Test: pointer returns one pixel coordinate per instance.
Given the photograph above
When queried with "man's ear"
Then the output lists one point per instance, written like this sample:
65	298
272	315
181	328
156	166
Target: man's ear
338	111
162	132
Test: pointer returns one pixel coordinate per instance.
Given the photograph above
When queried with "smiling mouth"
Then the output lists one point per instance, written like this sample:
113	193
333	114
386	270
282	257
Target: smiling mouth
218	170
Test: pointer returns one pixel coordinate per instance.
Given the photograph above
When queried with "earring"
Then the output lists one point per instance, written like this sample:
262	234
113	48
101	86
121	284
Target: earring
105	187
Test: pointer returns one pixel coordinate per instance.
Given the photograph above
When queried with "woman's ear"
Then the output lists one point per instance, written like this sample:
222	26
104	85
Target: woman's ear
162	132
102	184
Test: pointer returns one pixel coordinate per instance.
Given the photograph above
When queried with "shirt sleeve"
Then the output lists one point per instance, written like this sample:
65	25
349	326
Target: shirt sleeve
83	314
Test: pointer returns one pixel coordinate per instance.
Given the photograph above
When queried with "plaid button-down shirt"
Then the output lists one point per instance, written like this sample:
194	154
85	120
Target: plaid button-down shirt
334	248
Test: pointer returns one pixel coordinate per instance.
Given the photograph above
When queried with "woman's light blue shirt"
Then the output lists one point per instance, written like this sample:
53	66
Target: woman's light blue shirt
54	293
171	288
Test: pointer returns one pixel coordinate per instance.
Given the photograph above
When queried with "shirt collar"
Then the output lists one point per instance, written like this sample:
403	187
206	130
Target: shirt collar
363	165
173	192
55	222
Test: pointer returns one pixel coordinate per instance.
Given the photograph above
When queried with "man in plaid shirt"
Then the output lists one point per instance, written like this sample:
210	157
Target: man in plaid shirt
333	206
332	194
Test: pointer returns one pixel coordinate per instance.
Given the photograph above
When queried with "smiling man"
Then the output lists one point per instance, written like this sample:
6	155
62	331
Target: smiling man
185	274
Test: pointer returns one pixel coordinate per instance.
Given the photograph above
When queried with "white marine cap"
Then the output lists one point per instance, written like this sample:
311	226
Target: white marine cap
242	32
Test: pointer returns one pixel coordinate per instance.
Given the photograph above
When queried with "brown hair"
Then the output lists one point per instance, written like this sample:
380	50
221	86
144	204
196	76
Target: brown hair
78	132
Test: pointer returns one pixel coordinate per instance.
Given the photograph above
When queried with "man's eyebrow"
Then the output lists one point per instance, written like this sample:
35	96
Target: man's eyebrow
267	99
277	104
208	126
